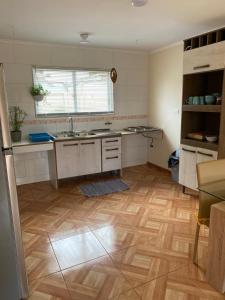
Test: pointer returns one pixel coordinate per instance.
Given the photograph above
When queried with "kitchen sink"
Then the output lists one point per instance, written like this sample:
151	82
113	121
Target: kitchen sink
70	134
84	134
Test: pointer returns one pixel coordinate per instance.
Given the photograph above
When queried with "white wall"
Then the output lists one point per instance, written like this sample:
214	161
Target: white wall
131	96
131	89
165	94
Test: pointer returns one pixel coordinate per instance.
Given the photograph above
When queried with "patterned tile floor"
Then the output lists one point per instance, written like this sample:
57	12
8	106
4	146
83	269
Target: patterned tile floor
131	245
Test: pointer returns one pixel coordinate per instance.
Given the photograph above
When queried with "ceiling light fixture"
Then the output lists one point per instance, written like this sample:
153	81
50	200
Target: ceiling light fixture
138	3
84	38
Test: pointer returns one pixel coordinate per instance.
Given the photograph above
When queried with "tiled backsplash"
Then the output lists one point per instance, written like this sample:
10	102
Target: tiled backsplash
53	125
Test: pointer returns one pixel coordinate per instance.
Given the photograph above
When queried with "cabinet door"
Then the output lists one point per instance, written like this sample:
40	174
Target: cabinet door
187	169
90	157
208	58
206	155
67	157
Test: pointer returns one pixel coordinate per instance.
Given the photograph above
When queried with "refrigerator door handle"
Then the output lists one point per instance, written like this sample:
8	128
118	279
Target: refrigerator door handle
7	151
4	111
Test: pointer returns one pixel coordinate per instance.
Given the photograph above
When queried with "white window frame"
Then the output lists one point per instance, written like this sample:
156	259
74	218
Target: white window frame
47	115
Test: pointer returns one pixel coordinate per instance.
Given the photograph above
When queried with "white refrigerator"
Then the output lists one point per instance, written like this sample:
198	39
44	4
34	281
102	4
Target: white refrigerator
13	279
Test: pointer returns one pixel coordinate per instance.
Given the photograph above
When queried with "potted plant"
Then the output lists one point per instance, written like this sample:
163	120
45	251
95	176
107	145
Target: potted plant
16	117
38	92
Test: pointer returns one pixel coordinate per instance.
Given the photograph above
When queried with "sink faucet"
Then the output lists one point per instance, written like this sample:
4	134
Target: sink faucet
70	119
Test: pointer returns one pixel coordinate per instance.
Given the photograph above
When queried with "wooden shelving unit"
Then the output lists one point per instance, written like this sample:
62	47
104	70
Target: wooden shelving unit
207	119
202	108
209	38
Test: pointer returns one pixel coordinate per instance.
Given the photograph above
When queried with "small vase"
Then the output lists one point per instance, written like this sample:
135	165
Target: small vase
16	136
38	98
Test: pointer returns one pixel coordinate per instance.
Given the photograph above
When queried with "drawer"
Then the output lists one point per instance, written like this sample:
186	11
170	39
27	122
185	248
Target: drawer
112	141
111	151
111	162
206	155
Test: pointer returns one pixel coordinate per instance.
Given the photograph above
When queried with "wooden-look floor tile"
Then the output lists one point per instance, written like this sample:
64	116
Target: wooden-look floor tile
119	237
40	260
186	283
30	240
52	287
147	230
77	249
97	280
129	295
140	265
67	228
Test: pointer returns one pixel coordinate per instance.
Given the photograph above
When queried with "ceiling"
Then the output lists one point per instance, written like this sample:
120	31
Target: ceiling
112	23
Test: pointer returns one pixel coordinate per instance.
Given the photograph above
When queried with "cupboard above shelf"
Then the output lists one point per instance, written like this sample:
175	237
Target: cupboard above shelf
200	144
205	39
202	108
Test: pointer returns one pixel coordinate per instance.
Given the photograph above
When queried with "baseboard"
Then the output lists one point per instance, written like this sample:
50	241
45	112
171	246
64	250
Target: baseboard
158	167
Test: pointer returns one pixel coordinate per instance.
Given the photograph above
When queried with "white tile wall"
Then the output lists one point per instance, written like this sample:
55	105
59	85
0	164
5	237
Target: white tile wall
131	93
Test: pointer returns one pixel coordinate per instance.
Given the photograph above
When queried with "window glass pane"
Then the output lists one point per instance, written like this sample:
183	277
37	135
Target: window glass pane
74	91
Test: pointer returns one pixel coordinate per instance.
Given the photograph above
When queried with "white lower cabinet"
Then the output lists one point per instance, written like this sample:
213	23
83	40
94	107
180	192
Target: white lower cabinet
76	158
189	158
90	157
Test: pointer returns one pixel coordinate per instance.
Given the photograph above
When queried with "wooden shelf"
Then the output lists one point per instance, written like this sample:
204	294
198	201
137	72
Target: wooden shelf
200	144
202	108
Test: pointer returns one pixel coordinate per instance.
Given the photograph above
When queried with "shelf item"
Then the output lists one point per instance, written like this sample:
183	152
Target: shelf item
202	108
199	136
40	137
205	39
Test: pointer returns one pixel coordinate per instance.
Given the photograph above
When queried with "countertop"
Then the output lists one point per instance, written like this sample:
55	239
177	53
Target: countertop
27	142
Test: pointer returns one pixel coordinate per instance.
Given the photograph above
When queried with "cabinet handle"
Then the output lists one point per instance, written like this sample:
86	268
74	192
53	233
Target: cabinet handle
69	145
112	141
113	149
91	143
201	67
207	154
187	150
112	157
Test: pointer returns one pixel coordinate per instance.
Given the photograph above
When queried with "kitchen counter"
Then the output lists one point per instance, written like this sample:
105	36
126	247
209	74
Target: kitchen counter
100	135
36	161
27	142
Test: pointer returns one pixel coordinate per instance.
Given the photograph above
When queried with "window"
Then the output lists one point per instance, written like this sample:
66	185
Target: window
74	91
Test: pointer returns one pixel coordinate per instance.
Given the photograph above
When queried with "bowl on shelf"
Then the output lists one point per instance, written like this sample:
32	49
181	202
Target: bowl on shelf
211	138
210	99
196	100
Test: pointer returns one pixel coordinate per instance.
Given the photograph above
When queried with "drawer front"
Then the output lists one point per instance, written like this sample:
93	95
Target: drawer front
111	162
112	141
206	155
111	151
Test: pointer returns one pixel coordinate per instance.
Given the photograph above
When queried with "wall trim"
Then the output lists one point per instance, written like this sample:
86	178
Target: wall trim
54	44
158	167
166	47
82	119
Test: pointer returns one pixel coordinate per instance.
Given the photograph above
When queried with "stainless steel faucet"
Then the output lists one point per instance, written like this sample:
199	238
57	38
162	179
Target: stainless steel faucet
70	119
